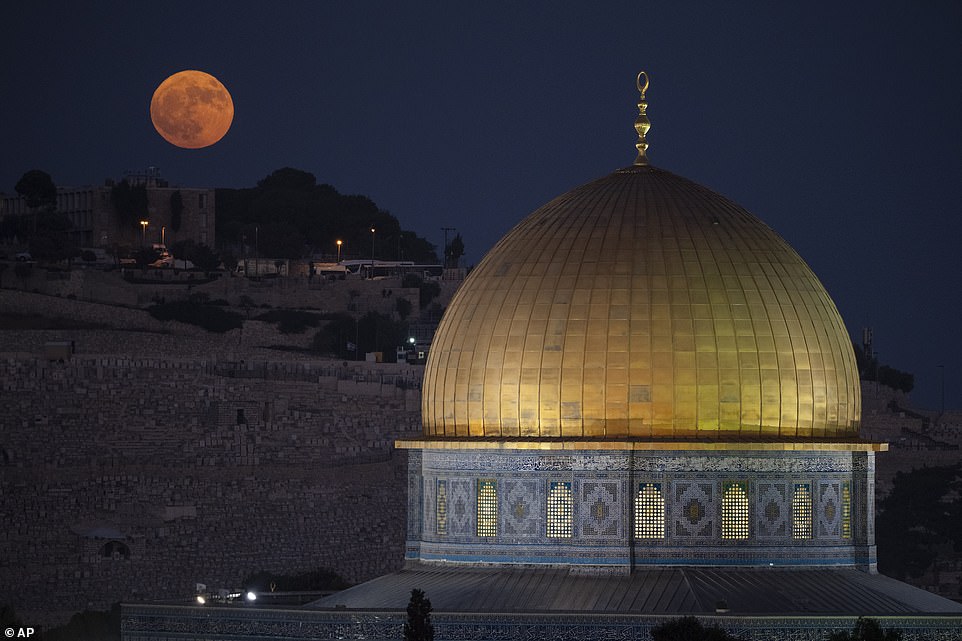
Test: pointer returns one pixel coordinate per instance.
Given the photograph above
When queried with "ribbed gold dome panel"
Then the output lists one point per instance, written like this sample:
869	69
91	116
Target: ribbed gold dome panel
641	305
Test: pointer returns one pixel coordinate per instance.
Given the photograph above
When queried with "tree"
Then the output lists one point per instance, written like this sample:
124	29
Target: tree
418	626
129	201
373	332
205	258
38	189
403	307
920	514
867	630
454	251
688	629
176	209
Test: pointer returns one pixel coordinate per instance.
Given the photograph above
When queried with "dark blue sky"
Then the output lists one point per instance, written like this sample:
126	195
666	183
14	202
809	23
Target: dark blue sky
836	123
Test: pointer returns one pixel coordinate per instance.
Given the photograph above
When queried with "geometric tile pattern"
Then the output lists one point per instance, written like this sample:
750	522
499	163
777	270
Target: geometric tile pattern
461	507
616	509
522	510
802	511
649	512
829	509
771	510
559	510
601	512
694	509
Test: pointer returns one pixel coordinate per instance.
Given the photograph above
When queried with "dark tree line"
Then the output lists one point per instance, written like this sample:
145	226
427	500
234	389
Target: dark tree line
870	369
289	215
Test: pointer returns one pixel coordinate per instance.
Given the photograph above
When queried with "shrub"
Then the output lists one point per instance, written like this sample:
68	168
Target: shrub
213	319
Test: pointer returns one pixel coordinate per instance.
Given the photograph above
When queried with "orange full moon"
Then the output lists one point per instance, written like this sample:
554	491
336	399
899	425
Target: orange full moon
191	109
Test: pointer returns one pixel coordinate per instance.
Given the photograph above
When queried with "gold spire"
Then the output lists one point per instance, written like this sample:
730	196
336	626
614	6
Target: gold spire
642	124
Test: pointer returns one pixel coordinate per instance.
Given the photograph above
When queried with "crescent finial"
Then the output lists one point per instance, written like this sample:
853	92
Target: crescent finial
642	124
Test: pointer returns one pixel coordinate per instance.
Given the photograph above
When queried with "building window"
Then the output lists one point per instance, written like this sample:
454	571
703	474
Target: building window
846	510
201	201
559	509
441	508
649	512
802	511
487	507
734	511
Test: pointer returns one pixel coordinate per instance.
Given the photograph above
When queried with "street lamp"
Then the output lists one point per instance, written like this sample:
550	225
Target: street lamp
163	236
339	243
372	252
143	238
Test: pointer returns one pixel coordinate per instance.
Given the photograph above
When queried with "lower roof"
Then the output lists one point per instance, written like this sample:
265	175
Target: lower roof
679	590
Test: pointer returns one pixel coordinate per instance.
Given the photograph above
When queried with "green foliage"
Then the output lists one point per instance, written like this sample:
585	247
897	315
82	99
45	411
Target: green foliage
373	332
145	256
867	630
290	321
688	629
920	514
312	581
454	251
176	210
418	626
288	212
202	256
212	318
38	189
403	307
870	369
89	625
129	202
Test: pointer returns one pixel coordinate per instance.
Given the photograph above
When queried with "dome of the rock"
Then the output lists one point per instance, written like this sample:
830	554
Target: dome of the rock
642	305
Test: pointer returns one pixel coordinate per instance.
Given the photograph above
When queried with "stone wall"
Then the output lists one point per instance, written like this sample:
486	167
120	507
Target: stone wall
128	478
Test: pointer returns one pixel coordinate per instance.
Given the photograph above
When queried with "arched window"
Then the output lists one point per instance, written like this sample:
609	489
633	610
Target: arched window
441	505
487	507
649	512
846	510
559	509
734	513
802	511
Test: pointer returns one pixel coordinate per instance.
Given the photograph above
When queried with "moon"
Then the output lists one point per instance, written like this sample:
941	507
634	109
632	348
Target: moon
191	109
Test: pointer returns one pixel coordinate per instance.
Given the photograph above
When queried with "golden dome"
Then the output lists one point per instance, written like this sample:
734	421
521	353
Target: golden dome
641	305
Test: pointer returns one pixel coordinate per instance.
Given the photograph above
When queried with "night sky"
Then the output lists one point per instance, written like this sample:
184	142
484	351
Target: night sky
838	124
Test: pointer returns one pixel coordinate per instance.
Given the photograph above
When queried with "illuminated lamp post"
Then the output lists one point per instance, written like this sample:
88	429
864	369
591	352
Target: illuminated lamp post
339	243
372	252
143	237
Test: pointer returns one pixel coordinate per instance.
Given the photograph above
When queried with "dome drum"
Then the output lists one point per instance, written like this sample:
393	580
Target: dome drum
613	510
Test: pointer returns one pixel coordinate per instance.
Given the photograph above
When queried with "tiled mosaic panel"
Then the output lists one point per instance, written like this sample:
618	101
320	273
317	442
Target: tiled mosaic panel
829	509
461	507
522	508
600	509
694	509
772	510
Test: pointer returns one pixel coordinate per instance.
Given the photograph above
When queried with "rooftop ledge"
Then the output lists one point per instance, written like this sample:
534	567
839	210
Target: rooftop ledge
693	444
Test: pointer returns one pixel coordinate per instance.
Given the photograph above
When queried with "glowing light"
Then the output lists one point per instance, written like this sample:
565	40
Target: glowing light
201	600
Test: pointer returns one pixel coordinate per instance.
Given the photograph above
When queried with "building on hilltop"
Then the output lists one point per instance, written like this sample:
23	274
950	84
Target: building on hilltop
641	404
95	221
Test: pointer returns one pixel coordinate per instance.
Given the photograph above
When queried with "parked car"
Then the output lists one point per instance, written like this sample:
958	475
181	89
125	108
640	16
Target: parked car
24	257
